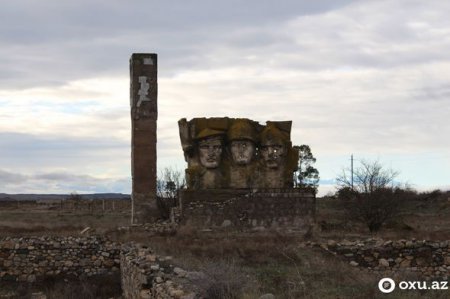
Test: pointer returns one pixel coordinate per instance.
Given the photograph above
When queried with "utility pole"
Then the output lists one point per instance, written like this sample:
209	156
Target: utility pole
352	170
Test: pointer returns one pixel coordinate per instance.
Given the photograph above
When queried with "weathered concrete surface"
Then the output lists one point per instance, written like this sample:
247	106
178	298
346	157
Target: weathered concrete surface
237	153
144	114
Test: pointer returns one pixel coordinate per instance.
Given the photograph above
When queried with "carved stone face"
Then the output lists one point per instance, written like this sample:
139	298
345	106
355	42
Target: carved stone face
210	152
242	151
272	154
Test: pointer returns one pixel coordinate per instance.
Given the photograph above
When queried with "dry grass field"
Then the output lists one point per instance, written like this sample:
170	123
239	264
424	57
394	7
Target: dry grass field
36	219
247	265
421	218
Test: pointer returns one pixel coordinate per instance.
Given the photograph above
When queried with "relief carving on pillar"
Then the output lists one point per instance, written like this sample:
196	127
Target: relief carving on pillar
237	153
143	88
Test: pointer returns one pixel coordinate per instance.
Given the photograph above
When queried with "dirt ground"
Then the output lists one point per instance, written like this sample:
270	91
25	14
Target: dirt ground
252	264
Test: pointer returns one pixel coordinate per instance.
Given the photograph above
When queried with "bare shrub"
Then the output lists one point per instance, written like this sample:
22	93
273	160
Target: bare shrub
371	194
169	182
165	205
367	177
74	196
375	208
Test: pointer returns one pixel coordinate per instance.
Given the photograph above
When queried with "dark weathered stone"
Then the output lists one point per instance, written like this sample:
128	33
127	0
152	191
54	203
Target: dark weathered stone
237	153
243	209
37	257
144	114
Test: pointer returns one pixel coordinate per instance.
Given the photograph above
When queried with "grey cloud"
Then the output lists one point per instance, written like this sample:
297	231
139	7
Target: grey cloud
26	142
402	106
55	19
53	42
60	182
19	150
61	176
432	92
7	177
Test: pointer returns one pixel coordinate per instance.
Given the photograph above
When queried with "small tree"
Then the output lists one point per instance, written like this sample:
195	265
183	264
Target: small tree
76	198
372	197
169	182
306	175
367	177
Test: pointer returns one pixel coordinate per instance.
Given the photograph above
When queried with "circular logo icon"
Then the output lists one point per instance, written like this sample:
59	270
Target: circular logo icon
386	285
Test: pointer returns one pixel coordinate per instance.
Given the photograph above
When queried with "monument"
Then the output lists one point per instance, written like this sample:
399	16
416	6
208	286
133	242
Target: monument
237	153
240	175
144	115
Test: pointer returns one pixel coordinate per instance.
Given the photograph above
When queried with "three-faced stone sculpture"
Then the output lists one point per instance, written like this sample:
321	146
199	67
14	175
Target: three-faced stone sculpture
251	155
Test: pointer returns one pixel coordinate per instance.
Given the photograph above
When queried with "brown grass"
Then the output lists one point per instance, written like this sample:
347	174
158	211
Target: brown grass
34	220
106	286
250	265
418	219
247	265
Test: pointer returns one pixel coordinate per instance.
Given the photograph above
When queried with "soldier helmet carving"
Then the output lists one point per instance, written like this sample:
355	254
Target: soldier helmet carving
272	133
242	129
206	133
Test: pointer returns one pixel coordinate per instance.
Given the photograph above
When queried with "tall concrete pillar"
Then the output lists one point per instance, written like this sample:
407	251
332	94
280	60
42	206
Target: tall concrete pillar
144	114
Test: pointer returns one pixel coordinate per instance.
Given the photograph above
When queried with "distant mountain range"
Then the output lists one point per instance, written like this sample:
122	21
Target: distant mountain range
21	197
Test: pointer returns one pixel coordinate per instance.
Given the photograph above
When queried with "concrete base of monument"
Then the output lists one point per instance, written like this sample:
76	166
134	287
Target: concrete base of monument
289	210
143	209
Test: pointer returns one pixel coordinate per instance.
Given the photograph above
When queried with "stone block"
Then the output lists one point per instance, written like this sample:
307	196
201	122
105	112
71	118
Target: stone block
383	263
245	209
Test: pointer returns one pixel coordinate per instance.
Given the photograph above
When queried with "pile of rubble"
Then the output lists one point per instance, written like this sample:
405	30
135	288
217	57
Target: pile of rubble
146	275
429	259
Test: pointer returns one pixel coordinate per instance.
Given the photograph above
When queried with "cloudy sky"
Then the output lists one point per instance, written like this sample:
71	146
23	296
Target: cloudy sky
369	78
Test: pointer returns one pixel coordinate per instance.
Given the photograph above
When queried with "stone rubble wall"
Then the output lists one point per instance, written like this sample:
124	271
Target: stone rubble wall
146	275
143	274
286	209
28	259
428	259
